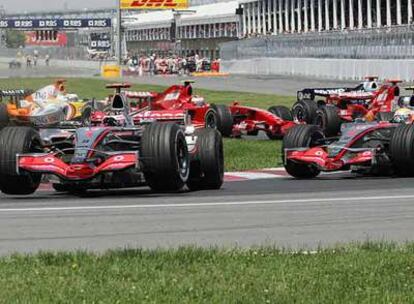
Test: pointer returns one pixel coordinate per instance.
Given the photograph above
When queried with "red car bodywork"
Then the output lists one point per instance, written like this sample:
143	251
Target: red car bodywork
249	120
381	100
178	101
326	158
51	164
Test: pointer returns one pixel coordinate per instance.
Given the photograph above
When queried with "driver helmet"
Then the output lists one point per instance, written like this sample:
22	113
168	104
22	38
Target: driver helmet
406	102
370	85
403	115
198	101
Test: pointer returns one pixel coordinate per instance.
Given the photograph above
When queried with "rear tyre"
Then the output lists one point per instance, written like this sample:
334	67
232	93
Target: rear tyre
4	116
13	141
304	110
328	119
281	112
207	169
402	150
164	157
301	136
219	117
384	116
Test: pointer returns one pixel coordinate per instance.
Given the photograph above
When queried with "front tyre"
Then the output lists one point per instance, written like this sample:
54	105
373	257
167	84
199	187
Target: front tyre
219	117
164	157
328	119
13	141
302	136
282	112
207	168
304	111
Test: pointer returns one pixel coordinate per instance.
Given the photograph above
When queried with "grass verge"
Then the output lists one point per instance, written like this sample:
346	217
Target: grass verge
239	154
242	154
366	273
90	87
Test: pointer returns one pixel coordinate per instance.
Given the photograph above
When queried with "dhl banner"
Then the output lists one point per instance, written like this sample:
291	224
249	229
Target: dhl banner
111	71
154	4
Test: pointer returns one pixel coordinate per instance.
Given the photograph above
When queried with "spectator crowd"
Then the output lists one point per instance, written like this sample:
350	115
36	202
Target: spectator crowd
169	65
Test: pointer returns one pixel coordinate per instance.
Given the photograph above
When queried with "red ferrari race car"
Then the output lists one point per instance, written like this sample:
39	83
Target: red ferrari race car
306	107
376	148
232	121
165	156
348	106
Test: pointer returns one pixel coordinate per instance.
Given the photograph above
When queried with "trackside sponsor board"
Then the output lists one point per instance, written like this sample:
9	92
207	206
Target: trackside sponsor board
54	23
154	4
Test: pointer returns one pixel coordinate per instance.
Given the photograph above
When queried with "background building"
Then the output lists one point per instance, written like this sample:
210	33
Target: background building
200	31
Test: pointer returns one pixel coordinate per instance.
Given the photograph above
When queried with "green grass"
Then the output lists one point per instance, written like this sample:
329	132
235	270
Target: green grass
367	273
242	155
88	88
239	154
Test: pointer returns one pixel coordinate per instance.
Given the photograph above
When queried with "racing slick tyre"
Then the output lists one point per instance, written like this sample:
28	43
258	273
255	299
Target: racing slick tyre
304	110
219	117
164	157
281	112
301	136
207	168
328	119
384	116
4	116
13	141
402	150
320	103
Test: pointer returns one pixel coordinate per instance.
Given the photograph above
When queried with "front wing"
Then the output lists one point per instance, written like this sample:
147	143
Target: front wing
51	164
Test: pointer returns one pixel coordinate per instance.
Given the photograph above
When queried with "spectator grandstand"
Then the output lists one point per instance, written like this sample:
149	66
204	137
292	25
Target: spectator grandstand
365	30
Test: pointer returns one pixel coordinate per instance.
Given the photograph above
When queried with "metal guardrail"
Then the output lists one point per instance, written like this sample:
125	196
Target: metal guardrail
384	43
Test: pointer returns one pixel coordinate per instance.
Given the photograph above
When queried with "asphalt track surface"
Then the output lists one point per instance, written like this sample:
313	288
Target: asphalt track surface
281	211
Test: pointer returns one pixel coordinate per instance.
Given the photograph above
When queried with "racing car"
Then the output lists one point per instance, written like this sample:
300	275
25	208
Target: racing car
49	105
164	155
346	107
232	121
305	108
375	148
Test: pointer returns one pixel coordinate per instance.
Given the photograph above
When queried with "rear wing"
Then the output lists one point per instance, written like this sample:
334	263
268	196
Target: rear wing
311	93
134	94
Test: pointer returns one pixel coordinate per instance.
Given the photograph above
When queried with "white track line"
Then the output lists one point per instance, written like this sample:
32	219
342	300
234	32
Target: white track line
216	204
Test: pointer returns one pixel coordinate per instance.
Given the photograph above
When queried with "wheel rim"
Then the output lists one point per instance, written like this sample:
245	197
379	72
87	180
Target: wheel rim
211	120
300	114
182	158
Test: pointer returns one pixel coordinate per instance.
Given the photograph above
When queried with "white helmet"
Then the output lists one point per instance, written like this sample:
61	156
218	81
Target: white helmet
403	115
